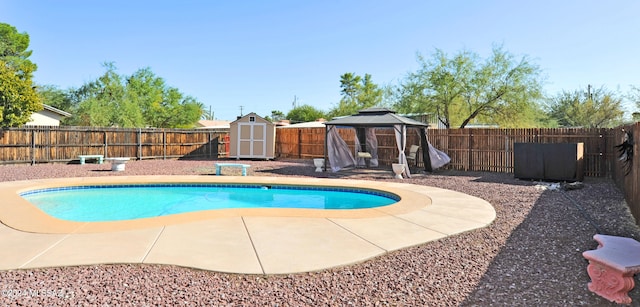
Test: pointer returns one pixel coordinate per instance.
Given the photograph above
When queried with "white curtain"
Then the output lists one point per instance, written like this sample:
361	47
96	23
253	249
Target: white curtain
437	157
401	141
337	150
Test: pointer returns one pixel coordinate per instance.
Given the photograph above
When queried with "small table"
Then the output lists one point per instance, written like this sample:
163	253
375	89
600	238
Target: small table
219	167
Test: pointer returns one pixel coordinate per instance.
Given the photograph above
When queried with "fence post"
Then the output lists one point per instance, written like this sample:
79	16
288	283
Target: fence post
139	143
603	143
106	145
299	143
210	145
33	147
506	151
164	144
469	161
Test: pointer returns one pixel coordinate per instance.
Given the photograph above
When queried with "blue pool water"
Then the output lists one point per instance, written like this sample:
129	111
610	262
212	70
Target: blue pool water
126	202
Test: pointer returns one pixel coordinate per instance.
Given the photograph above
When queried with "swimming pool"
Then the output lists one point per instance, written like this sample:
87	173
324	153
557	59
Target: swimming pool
99	203
18	213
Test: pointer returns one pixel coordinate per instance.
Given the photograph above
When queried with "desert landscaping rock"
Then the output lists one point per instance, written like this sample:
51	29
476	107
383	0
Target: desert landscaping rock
531	255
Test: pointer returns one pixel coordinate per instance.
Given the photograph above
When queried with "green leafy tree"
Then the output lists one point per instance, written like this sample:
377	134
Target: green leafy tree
357	93
103	104
177	111
370	93
459	90
304	113
55	97
634	96
438	86
139	100
13	51
145	91
597	109
18	97
275	116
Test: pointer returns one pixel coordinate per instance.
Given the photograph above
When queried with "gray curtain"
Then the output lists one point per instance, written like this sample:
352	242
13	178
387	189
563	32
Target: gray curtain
372	148
337	150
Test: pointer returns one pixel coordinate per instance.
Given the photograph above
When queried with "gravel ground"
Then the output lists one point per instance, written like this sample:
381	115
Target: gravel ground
531	255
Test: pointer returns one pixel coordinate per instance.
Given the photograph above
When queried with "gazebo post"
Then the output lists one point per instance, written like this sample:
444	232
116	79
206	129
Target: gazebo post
326	134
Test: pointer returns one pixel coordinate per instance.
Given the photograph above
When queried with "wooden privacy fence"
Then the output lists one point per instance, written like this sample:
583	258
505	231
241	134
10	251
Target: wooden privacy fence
626	174
470	149
64	144
492	150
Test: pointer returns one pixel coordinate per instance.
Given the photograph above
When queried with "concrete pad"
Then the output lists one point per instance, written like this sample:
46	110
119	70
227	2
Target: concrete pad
114	247
253	241
220	244
441	223
289	245
18	248
396	233
478	215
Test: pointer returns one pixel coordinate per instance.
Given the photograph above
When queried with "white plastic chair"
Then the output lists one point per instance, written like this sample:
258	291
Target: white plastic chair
413	152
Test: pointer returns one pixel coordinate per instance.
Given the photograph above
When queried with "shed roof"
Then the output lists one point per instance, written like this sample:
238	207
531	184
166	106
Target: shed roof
375	117
252	114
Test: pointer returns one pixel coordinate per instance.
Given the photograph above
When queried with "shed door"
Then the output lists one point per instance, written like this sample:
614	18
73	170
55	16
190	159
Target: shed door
252	140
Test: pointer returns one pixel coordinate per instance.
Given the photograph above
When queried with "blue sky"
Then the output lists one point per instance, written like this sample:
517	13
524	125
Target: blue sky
260	54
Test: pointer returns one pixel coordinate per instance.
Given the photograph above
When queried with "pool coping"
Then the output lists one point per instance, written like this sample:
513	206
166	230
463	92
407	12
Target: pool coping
249	241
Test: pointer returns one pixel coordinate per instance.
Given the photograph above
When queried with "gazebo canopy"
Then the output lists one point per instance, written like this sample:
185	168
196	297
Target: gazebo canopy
375	117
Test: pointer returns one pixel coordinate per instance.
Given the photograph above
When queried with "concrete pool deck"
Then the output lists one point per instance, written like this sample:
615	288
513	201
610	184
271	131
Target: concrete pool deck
248	241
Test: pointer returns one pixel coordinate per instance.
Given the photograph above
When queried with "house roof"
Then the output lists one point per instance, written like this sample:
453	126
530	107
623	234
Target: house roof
375	117
212	124
57	111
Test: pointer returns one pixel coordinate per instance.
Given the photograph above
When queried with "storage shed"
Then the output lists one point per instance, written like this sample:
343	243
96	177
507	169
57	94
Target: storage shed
252	137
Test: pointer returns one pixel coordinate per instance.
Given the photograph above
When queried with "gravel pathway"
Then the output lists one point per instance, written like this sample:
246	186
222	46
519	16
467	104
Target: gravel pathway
530	256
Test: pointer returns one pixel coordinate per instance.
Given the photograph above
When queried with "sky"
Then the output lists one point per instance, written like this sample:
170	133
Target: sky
238	57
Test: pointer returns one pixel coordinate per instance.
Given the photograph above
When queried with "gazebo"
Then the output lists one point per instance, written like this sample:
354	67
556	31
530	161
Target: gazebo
364	122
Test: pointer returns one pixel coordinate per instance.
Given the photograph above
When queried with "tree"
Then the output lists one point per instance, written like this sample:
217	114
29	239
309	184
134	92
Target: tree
461	89
596	109
275	116
104	104
55	97
13	51
304	113
357	93
139	100
207	114
634	96
18	97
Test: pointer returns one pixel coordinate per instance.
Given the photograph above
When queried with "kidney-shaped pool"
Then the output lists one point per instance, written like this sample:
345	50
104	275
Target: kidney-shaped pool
44	205
97	203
